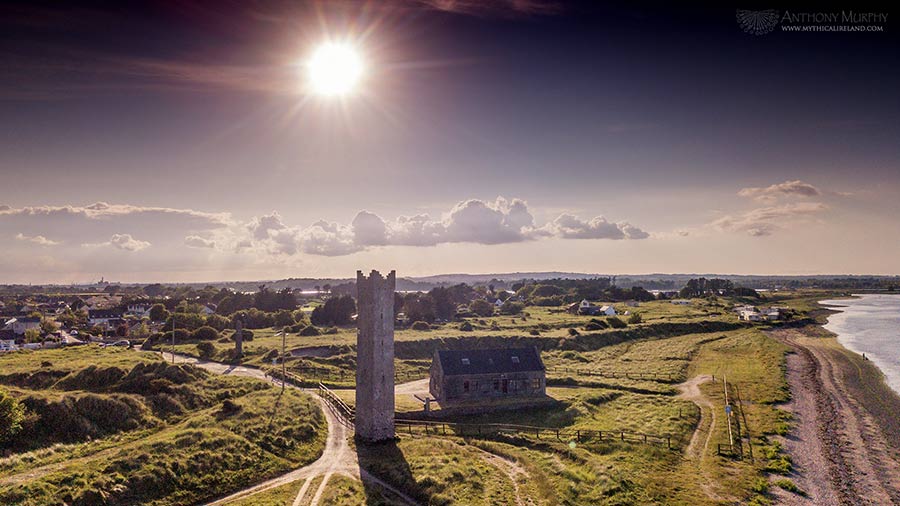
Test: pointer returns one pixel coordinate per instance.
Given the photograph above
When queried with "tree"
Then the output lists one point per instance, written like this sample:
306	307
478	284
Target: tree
158	313
48	326
481	307
335	311
12	414
284	318
635	318
33	336
511	308
206	349
205	333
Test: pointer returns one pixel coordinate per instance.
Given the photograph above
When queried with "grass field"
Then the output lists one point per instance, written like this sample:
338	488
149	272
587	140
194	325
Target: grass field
673	342
116	426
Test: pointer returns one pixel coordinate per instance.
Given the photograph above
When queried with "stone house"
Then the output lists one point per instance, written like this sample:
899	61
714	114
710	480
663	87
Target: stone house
472	375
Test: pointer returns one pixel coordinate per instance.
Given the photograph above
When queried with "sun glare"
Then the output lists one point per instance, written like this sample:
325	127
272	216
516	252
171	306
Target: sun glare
335	69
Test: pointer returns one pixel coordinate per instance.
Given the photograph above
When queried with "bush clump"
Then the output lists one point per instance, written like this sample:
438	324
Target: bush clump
616	322
205	333
466	327
420	325
206	349
310	330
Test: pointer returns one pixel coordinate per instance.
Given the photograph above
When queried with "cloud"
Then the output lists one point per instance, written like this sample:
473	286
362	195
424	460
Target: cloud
495	8
95	223
124	242
127	243
795	188
261	225
476	221
37	239
195	241
765	221
568	226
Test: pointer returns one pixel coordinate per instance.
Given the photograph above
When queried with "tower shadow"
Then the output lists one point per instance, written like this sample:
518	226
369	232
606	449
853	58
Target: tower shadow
384	461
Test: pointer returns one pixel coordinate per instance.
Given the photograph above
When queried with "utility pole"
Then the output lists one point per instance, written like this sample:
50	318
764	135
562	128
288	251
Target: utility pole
283	371
173	335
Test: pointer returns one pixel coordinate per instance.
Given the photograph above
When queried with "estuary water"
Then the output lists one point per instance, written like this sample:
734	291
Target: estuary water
870	324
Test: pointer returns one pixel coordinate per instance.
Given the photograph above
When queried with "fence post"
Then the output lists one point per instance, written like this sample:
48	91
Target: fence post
623	436
669	442
578	435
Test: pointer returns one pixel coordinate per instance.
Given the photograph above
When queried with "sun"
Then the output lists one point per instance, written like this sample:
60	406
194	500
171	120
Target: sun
335	69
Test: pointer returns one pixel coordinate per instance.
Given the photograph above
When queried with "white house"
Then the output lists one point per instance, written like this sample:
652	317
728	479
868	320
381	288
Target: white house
751	316
498	303
681	302
208	309
608	310
139	310
8	345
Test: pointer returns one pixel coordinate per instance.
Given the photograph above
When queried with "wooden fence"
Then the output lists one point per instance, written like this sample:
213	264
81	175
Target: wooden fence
347	414
312	376
663	377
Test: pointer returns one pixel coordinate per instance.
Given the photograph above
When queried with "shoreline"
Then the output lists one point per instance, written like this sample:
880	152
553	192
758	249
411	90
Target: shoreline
889	374
845	437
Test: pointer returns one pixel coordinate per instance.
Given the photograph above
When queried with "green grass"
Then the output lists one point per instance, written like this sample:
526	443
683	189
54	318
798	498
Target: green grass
278	496
151	433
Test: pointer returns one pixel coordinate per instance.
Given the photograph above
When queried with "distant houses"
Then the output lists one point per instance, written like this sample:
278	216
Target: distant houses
20	324
753	314
588	308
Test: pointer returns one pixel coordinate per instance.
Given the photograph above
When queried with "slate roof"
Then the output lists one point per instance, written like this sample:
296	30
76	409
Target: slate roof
489	361
104	313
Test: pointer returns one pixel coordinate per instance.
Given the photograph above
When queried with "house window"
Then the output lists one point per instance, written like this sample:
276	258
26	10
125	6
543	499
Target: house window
466	386
515	359
496	385
465	361
536	383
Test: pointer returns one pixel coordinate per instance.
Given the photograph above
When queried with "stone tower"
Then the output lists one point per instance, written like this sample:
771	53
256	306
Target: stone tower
239	338
375	356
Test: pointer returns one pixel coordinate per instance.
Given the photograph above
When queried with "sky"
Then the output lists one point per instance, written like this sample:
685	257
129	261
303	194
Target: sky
180	141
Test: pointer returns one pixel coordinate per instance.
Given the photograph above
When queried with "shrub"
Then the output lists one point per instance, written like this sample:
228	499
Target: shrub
420	325
310	330
616	323
466	327
206	349
635	318
205	333
12	414
573	332
510	308
790	486
534	332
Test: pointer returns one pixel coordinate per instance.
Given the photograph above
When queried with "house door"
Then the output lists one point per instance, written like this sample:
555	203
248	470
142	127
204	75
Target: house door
505	386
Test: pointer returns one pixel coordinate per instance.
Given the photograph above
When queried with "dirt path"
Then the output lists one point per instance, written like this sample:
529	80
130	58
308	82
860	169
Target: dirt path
512	470
338	457
840	455
698	448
